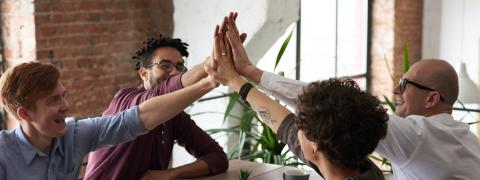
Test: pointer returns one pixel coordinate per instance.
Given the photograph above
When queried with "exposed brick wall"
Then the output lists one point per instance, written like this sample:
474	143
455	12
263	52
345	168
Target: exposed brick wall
18	35
91	41
394	22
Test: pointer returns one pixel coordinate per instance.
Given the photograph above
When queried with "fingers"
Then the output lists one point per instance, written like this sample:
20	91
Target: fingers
210	62
216	44
232	19
228	49
243	36
221	45
209	70
234	40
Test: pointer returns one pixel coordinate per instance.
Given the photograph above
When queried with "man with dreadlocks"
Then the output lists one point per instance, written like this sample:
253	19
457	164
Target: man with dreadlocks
161	66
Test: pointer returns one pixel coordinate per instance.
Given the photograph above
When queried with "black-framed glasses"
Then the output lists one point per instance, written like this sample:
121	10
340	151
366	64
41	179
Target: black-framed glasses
167	65
404	81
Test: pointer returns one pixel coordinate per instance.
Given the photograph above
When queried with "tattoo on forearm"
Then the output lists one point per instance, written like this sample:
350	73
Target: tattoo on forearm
265	115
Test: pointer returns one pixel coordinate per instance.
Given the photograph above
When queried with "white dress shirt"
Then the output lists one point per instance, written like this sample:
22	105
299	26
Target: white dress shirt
436	147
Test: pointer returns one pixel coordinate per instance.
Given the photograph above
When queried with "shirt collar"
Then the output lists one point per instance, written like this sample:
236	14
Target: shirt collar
29	151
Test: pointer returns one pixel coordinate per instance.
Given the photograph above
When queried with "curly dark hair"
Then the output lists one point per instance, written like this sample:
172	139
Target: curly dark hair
345	122
143	56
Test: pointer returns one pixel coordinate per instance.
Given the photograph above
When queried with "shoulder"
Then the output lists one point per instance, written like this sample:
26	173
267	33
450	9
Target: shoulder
127	91
7	143
7	138
369	171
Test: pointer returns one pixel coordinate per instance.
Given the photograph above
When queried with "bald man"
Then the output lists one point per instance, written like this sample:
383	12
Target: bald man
438	94
423	140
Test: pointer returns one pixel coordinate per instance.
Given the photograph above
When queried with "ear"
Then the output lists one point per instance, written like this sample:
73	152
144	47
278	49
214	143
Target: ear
143	72
433	99
22	113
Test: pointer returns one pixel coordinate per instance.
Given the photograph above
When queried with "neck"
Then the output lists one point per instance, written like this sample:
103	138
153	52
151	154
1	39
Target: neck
440	110
42	143
335	172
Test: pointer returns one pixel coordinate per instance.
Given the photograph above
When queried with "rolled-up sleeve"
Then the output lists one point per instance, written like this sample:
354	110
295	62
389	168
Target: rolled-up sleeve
200	145
94	133
284	89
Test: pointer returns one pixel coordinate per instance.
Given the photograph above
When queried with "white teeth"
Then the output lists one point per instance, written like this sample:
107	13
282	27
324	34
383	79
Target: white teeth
399	102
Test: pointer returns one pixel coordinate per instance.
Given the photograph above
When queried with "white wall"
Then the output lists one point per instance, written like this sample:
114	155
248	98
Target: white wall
444	24
451	31
194	21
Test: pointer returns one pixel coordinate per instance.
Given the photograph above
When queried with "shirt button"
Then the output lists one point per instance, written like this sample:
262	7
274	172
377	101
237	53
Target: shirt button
163	142
162	132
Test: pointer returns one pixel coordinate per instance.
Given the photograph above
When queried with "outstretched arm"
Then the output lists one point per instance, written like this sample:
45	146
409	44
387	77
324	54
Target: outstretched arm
194	75
157	110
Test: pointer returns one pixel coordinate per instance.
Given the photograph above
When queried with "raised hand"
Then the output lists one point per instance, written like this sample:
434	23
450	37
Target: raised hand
241	61
221	68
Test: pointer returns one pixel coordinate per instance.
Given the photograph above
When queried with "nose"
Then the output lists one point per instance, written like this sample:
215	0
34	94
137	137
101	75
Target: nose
396	90
65	106
173	72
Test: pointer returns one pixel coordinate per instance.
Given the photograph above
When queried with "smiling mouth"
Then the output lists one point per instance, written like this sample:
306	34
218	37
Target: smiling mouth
60	121
399	102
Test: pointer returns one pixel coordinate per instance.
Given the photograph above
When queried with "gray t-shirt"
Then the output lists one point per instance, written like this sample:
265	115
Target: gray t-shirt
287	133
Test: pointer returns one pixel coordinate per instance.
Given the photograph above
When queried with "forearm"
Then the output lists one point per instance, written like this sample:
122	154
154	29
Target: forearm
252	74
196	169
193	75
269	111
157	110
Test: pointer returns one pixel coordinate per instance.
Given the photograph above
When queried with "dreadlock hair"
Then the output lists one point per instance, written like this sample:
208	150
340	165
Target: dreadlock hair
143	56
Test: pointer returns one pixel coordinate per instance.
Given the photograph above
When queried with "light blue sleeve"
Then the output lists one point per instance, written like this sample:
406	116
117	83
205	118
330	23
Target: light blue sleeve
2	171
94	133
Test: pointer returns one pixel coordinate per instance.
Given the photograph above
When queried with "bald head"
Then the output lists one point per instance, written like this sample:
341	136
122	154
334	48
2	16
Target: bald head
439	75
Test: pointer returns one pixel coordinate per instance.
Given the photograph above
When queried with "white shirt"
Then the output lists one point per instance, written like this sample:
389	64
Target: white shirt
436	147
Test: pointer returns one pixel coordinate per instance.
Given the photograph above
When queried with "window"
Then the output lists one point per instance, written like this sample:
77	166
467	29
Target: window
333	42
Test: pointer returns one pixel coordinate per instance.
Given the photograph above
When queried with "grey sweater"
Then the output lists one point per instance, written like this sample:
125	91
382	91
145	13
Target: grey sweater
287	133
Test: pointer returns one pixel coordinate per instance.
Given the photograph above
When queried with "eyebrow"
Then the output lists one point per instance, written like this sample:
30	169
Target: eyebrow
57	96
180	62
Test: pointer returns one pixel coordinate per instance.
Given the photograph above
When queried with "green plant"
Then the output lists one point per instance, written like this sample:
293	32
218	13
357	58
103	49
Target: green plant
243	174
256	141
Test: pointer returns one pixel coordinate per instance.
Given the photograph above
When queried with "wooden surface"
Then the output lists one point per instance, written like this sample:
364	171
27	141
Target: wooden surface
259	171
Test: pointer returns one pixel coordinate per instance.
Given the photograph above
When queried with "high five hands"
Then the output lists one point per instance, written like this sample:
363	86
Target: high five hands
229	56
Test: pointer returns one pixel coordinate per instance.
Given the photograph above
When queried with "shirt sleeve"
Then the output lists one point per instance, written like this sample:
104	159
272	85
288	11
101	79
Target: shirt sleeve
287	133
200	145
2	172
105	131
284	89
403	136
172	84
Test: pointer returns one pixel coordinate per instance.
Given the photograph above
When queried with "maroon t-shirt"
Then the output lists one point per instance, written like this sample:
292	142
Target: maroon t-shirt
153	150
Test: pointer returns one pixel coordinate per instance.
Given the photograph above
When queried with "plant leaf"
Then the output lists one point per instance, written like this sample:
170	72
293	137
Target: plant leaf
406	63
233	100
388	67
282	49
390	104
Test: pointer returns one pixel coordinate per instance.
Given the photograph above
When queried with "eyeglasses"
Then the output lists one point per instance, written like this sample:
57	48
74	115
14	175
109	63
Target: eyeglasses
167	65
404	81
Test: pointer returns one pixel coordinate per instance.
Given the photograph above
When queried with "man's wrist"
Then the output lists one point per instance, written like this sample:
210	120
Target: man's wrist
252	73
237	83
